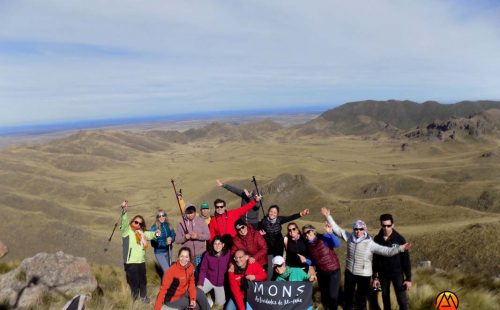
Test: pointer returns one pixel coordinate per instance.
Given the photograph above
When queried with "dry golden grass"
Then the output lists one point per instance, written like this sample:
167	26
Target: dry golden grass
65	194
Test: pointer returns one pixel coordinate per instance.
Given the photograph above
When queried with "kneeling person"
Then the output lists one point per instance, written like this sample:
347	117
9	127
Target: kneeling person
286	273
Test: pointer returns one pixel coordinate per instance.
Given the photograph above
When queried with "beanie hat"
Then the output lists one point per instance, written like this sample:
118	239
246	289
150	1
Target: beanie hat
359	224
239	222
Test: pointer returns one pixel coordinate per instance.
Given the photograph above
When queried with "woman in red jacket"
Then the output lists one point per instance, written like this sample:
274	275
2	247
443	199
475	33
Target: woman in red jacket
178	289
251	241
239	273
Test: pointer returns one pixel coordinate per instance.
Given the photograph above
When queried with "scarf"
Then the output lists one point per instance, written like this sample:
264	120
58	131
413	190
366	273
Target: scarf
272	221
140	238
358	240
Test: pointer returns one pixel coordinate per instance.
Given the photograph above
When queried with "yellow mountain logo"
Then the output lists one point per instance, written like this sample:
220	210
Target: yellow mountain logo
447	300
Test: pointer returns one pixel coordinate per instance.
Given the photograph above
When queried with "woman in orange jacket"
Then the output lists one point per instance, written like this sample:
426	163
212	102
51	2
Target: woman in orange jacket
178	289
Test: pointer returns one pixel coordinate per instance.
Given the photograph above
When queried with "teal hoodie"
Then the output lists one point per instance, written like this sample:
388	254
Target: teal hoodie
293	274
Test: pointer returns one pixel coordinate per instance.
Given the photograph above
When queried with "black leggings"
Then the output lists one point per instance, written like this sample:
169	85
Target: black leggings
400	290
359	285
136	279
329	286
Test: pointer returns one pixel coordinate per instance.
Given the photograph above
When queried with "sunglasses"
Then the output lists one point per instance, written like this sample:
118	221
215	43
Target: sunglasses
240	228
292	229
359	229
386	225
138	223
278	266
309	231
161	215
238	257
219	206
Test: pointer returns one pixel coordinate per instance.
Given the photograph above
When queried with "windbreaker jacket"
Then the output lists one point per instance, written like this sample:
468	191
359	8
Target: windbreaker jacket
132	252
236	279
223	224
176	282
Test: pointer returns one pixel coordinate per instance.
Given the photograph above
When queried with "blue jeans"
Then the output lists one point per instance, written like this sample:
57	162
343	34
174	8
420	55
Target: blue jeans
162	260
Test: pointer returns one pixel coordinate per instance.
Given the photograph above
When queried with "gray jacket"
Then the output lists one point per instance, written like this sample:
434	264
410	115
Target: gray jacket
360	254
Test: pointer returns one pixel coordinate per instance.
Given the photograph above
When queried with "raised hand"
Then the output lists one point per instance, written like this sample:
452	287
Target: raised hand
218	183
124	205
304	212
325	212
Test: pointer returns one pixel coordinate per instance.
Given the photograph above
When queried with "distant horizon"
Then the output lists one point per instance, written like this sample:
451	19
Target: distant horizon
79	124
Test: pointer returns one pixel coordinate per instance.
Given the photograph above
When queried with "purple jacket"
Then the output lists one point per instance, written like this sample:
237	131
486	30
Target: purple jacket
214	268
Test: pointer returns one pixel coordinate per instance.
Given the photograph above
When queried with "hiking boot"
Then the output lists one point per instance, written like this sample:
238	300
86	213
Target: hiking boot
146	300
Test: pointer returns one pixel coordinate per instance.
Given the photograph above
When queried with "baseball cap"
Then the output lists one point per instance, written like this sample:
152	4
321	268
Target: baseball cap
204	205
278	261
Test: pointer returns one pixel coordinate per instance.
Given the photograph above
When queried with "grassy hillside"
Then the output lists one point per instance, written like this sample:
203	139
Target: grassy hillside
65	194
364	117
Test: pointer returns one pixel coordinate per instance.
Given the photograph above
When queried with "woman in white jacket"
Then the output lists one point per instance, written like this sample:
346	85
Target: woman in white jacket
360	249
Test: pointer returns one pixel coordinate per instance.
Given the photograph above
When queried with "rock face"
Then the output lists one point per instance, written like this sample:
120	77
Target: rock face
44	275
3	249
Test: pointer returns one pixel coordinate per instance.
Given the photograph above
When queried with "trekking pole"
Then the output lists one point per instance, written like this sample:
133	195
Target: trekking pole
179	204
254	181
113	231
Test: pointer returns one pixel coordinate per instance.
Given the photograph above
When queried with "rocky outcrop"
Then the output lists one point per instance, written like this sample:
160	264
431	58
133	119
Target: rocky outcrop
45	275
473	126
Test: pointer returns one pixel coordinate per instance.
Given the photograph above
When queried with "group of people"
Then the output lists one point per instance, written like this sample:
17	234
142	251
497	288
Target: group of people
220	253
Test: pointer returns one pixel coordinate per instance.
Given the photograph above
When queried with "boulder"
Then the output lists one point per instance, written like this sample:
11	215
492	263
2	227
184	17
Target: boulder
46	275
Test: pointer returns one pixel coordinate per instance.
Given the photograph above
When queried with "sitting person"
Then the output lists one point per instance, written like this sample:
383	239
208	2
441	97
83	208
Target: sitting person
286	273
239	273
213	270
177	288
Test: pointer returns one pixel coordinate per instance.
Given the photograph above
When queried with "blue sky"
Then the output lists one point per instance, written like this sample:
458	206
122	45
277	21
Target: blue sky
68	60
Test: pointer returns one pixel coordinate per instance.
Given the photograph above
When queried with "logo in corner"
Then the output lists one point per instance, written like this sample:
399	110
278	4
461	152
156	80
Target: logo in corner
447	300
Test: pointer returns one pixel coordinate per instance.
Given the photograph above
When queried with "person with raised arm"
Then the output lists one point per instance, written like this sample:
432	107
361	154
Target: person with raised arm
252	215
270	228
360	250
135	241
322	250
222	223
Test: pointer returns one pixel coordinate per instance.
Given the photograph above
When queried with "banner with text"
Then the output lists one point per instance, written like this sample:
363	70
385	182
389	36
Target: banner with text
284	295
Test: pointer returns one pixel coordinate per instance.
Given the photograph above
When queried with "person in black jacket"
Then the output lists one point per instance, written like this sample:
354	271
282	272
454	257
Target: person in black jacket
395	269
270	228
